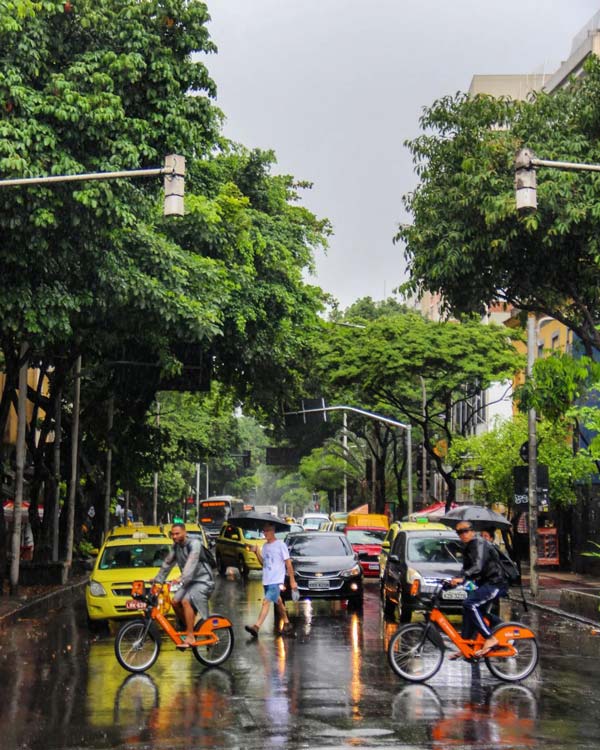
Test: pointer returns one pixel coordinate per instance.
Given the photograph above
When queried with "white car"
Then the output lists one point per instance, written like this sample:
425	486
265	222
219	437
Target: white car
313	521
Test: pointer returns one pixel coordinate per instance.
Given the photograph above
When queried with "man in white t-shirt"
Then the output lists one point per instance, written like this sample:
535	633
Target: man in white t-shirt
275	559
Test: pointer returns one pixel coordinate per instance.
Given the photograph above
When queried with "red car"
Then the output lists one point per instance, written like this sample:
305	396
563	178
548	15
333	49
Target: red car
366	541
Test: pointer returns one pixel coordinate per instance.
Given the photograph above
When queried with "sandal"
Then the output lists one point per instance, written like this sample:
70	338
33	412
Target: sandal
252	629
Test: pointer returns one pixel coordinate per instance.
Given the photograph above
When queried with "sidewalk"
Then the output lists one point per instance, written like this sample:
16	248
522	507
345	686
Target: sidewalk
36	601
566	594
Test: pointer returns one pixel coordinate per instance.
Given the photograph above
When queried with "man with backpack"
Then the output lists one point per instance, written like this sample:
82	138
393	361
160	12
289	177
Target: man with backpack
197	581
481	568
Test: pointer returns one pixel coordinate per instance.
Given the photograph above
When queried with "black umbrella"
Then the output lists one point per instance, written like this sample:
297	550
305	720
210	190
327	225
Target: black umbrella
478	516
251	520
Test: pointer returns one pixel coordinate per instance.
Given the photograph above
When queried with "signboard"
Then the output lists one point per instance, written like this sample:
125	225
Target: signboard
521	487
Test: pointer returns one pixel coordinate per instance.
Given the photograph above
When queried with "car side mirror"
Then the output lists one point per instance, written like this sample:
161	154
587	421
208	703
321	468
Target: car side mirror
356	556
394	558
385	545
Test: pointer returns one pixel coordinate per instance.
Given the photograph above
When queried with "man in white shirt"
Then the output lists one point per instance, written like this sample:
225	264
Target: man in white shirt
275	559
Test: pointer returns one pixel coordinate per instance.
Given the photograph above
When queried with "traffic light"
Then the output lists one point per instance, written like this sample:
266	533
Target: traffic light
174	185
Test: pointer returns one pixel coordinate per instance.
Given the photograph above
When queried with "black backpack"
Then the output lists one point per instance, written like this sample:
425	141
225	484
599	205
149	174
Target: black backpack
511	571
208	557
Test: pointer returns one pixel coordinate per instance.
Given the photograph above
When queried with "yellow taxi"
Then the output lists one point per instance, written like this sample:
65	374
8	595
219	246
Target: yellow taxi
233	547
132	530
121	560
393	533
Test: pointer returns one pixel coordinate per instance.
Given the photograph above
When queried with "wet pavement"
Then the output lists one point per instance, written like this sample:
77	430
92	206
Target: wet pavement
328	687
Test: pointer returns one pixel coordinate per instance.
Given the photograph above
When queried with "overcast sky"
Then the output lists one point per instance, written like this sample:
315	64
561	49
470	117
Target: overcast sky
334	87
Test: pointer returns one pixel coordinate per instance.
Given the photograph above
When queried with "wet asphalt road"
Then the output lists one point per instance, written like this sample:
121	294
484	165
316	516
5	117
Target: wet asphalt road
328	687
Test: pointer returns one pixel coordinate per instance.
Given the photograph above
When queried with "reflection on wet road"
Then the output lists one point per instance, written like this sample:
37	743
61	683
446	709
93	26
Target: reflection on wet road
330	686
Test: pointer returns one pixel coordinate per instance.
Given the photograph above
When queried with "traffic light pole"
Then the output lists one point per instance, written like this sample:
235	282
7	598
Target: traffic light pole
377	418
173	171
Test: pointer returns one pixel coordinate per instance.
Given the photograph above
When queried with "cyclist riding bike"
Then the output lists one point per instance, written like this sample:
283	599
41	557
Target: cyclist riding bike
197	582
481	567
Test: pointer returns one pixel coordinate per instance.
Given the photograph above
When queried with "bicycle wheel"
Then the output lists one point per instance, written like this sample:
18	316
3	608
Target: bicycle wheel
414	656
134	651
517	667
217	652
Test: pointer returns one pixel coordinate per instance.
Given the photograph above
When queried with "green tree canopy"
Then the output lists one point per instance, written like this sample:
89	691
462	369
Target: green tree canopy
467	241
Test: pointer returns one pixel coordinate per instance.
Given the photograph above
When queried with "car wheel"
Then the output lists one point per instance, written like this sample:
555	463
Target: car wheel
243	568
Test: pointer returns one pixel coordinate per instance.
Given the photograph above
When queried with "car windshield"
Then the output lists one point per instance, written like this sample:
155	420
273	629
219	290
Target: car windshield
313	523
317	546
365	536
252	533
434	550
134	556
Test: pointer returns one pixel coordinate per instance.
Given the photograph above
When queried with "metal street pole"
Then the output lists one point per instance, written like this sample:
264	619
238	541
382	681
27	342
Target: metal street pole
378	418
345	448
532	457
424	456
197	492
155	487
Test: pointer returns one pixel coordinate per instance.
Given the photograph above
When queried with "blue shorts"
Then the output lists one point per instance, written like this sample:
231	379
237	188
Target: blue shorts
272	592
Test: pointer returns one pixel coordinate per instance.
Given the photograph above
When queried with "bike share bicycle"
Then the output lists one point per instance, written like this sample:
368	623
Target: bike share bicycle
138	641
416	651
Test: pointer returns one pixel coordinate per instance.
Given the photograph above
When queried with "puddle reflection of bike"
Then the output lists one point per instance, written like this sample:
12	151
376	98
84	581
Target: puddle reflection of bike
500	715
416	651
136	698
138	641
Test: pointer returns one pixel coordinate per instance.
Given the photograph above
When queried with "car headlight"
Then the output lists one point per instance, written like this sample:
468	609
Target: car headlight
97	589
413	575
355	571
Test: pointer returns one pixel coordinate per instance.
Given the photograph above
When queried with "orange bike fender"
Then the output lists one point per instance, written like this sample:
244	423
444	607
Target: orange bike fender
213	622
511	631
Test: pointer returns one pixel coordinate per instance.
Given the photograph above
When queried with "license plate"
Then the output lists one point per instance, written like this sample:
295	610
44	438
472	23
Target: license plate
373	566
454	594
135	604
318	584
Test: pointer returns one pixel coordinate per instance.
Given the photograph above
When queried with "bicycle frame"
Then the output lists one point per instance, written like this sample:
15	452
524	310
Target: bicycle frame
203	632
467	646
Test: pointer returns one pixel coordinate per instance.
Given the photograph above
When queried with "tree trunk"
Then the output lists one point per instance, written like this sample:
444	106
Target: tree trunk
74	463
108	475
56	467
20	469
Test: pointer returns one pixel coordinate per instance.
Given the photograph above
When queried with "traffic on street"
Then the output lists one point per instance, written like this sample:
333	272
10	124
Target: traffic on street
327	686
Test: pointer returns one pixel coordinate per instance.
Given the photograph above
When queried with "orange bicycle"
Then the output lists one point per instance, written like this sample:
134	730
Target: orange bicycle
138	641
416	651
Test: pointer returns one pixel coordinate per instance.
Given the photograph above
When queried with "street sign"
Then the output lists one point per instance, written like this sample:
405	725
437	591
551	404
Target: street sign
521	487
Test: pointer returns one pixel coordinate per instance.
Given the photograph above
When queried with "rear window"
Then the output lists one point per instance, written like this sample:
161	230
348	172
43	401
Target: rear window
305	545
365	536
134	556
425	549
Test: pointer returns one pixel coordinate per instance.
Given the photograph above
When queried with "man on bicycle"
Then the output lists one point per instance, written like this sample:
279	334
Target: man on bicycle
481	565
197	582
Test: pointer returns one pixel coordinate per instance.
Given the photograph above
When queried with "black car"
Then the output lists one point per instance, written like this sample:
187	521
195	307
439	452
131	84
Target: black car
428	556
325	567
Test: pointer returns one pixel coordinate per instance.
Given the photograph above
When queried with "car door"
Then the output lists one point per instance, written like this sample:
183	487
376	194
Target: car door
395	567
231	545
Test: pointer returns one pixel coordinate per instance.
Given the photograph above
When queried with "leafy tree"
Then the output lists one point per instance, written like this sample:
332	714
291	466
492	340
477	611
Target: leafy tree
494	454
396	360
467	241
94	269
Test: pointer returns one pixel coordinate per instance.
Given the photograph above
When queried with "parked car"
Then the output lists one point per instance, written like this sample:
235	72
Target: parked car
366	542
120	561
312	521
428	555
325	567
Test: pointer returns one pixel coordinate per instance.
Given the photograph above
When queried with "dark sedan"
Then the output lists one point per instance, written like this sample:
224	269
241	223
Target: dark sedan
325	567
